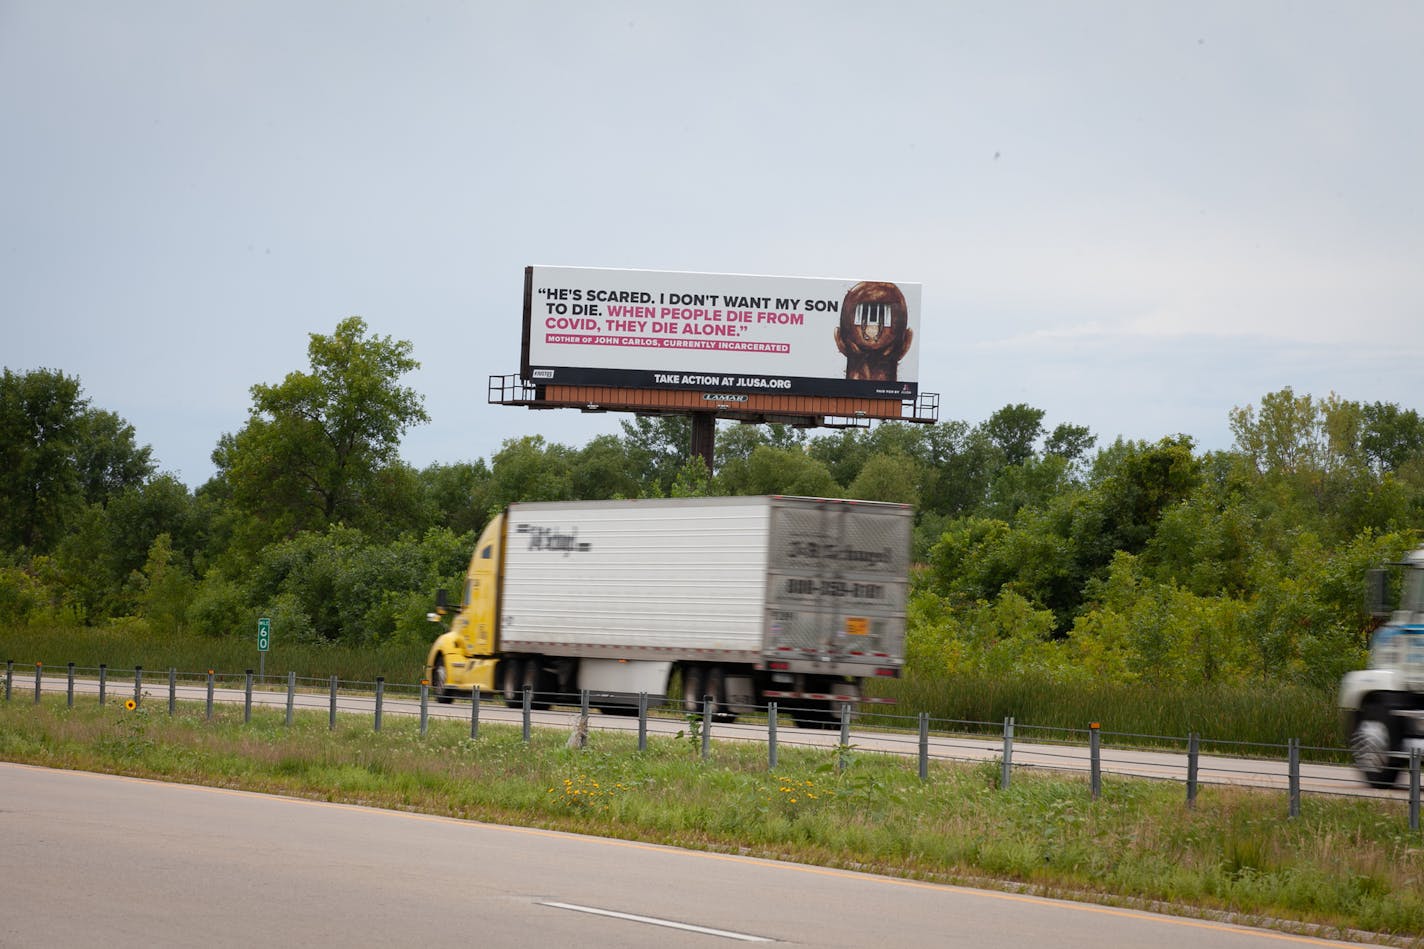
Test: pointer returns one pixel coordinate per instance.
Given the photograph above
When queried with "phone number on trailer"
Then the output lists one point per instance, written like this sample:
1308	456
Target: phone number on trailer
806	586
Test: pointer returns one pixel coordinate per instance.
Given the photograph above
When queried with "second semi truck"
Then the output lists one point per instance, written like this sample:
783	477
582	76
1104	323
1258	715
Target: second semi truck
1384	704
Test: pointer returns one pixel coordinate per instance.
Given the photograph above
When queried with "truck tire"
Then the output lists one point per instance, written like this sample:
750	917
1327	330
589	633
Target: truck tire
715	685
539	683
438	678
694	679
835	708
511	682
1372	745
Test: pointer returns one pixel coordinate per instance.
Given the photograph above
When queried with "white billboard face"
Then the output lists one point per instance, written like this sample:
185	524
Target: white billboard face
721	332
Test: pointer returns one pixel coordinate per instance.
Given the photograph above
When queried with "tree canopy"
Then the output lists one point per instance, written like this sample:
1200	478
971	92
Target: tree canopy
317	445
57	453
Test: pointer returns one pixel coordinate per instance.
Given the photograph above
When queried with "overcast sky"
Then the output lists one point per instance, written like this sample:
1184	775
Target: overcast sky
1132	215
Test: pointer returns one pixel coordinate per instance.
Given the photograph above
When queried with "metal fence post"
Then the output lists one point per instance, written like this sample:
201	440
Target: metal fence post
172	690
331	708
210	694
103	683
1095	761
247	699
706	726
642	721
771	736
475	713
1414	789
9	677
1193	753
1293	754
138	684
845	737
69	687
39	673
380	699
583	702
424	706
1008	765
528	709
924	746
291	695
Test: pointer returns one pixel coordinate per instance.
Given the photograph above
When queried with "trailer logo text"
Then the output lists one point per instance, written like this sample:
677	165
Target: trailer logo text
840	553
552	538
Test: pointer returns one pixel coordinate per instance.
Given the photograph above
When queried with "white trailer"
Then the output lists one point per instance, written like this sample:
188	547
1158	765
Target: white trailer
748	599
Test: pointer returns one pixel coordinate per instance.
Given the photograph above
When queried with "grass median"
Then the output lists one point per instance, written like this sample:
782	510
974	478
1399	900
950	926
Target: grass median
1344	865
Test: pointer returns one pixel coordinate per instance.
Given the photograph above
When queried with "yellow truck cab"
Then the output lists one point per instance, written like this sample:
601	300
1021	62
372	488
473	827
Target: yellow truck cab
463	658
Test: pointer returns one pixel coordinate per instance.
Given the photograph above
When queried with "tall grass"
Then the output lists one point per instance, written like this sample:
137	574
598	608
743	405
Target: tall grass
127	645
1343	864
1270	713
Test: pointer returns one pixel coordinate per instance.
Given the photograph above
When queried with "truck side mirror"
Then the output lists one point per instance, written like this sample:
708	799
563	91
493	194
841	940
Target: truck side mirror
1377	593
442	603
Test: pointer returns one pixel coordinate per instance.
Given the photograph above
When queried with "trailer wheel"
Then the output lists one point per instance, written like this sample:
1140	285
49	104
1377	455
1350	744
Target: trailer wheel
836	709
438	678
1371	744
538	682
693	682
511	682
715	685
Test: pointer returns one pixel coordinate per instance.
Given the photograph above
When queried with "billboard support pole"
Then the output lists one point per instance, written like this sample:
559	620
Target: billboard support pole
704	436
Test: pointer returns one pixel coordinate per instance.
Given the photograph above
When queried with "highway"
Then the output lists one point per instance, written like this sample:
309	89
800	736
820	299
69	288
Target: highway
117	862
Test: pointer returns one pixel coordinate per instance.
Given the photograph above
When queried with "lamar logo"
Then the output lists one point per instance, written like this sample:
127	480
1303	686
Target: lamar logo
551	538
543	373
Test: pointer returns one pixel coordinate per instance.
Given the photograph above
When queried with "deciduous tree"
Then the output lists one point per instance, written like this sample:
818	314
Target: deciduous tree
314	444
39	433
1392	436
56	454
1015	429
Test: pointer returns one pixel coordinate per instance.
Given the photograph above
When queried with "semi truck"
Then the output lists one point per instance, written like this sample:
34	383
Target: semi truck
746	600
1383	705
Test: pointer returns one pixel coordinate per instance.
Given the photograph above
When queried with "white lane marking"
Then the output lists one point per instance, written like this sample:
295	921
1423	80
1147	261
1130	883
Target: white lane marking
654	921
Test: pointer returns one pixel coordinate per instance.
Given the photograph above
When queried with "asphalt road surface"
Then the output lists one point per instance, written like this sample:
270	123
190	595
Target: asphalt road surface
97	860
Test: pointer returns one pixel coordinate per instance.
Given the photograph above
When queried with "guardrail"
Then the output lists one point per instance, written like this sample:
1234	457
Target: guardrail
1012	745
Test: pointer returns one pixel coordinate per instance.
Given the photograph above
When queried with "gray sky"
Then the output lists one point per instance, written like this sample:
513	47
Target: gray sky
1133	215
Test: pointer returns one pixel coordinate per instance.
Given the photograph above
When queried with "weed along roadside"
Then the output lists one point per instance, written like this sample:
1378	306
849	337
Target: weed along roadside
1342	864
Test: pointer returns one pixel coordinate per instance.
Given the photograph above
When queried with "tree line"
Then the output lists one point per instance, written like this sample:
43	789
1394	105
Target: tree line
1038	550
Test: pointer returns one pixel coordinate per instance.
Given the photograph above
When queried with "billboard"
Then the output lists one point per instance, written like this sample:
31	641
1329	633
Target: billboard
725	333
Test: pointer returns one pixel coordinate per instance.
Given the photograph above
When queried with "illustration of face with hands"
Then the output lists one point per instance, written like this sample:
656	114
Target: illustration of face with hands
874	334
